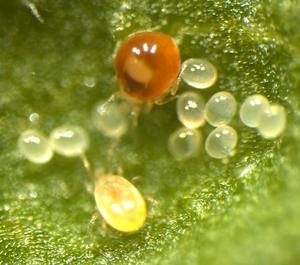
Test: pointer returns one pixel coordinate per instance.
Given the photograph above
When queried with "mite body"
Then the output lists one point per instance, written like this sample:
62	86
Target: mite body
147	66
120	203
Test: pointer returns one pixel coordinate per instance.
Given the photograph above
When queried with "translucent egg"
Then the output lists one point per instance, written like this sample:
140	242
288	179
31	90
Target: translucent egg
35	147
221	142
110	118
272	122
220	109
120	203
69	140
252	109
199	73
184	143
190	110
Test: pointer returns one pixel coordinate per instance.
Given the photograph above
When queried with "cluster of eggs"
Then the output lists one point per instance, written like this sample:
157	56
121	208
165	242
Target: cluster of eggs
193	113
269	119
65	140
148	71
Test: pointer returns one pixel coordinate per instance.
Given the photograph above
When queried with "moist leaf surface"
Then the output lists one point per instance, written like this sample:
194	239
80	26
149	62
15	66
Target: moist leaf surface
245	211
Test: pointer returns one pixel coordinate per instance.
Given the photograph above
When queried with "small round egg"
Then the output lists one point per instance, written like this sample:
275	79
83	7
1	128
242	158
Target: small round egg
190	110
35	146
184	143
252	109
221	142
272	122
199	73
110	118
220	109
69	140
120	203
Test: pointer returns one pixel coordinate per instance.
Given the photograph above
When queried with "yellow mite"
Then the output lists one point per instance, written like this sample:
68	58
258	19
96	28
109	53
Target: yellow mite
120	203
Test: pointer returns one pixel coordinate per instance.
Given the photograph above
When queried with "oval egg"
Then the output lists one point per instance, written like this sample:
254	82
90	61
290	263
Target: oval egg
35	146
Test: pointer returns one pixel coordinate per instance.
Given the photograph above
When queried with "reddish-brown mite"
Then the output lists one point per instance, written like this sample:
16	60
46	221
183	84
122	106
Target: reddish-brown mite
147	66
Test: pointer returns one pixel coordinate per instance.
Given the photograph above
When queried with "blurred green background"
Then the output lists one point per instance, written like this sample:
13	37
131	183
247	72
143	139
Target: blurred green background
243	212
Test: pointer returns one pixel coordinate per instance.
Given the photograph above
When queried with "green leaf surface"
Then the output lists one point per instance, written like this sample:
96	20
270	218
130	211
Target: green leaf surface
245	211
